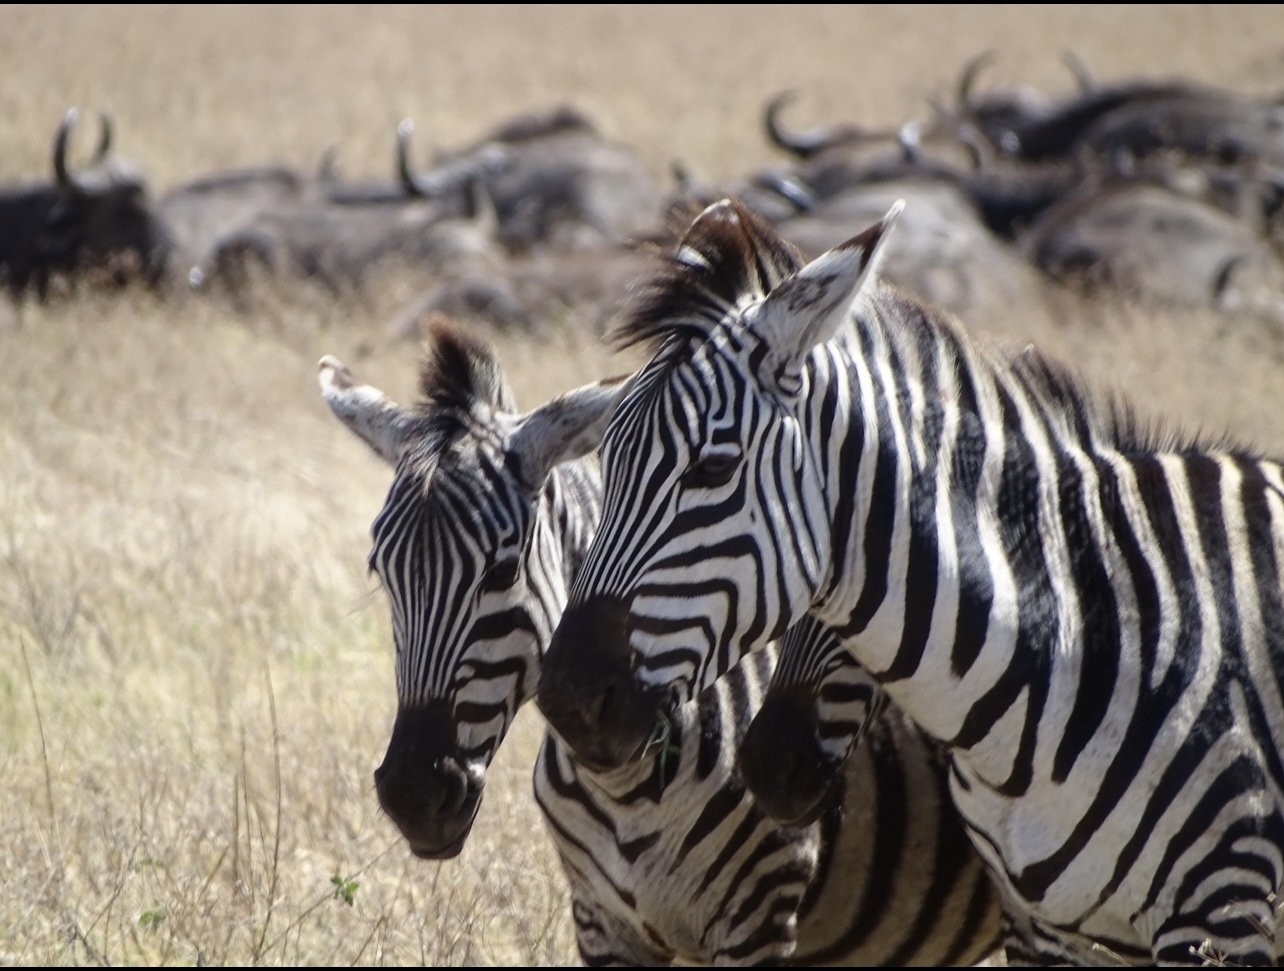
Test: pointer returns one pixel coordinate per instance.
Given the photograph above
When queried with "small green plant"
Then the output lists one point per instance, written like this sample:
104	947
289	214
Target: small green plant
344	889
151	919
662	736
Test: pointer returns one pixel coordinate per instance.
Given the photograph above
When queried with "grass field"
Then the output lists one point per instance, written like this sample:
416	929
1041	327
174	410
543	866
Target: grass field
195	671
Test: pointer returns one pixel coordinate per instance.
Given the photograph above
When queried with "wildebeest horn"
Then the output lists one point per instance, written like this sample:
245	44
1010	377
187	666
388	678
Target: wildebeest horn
811	143
405	129
104	139
977	146
450	177
61	173
791	188
970	70
1082	76
328	167
60	148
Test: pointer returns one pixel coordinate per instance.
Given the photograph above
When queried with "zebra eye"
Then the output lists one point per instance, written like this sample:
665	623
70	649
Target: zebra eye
501	574
712	470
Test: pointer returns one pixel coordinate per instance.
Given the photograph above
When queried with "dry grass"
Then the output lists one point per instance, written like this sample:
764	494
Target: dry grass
196	674
195	680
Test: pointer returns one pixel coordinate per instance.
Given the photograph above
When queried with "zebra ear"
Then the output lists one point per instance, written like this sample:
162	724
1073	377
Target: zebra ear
563	429
812	306
369	413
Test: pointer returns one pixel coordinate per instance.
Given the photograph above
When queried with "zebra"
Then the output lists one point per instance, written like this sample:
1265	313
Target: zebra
668	858
1085	607
794	752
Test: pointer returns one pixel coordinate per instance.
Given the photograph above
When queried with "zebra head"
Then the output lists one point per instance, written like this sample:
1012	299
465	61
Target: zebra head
706	549
473	549
816	710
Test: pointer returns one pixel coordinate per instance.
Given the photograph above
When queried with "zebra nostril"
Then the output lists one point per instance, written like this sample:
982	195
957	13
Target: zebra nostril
601	707
788	766
452	791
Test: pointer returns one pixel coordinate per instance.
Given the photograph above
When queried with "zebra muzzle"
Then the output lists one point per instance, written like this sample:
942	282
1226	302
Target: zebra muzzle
423	785
588	692
782	761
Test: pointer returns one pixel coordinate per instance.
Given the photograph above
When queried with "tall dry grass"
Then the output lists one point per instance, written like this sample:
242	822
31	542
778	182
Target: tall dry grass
195	668
195	671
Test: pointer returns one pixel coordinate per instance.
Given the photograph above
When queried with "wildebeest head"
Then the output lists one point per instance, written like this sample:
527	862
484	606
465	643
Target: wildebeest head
95	221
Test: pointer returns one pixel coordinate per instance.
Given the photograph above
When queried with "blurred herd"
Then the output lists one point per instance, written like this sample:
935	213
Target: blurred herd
1159	190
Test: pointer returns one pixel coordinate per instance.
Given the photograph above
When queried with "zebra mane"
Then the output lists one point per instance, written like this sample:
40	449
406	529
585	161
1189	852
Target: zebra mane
1132	431
728	258
1066	399
457	373
1099	419
1064	395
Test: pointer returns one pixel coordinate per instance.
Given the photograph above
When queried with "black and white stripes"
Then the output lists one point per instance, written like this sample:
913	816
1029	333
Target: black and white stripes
668	858
1086	612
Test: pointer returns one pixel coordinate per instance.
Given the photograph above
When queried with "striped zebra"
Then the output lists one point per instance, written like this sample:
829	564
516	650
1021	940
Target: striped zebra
794	754
667	858
1086	610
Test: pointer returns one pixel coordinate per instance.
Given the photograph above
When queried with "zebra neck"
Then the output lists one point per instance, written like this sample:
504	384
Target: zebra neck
947	500
572	509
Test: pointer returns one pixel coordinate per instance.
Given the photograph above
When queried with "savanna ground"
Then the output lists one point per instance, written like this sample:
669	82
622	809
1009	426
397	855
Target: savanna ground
195	670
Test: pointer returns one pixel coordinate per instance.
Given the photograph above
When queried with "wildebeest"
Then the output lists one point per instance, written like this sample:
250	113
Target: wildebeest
942	250
950	250
338	244
97	220
537	179
1005	194
1165	190
568	210
1141	240
204	211
335	231
1033	129
554	180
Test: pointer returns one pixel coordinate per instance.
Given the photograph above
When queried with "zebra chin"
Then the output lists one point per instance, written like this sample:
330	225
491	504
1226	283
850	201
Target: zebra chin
423	785
445	841
588	692
783	765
